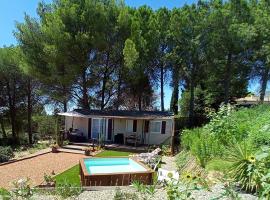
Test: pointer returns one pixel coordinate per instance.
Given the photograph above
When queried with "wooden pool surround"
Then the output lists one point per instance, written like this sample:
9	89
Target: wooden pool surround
115	179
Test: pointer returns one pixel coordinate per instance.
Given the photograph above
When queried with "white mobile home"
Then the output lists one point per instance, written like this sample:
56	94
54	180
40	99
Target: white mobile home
122	126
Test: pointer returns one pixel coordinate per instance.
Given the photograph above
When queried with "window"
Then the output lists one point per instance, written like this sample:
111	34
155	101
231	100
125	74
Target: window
155	127
131	126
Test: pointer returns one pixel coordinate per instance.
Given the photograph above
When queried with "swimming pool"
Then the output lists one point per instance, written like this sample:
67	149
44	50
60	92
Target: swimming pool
112	165
112	171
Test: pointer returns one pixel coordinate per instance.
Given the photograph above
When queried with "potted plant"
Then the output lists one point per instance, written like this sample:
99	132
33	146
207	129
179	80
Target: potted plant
87	151
55	148
49	181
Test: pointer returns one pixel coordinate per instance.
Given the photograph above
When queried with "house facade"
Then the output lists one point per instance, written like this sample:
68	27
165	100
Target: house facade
139	127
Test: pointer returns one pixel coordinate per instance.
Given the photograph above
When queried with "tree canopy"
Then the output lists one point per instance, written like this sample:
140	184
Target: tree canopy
106	55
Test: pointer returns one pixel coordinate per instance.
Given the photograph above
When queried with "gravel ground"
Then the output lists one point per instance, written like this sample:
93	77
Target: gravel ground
34	168
160	194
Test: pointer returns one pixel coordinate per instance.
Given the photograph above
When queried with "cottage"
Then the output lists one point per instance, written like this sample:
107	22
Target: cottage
122	126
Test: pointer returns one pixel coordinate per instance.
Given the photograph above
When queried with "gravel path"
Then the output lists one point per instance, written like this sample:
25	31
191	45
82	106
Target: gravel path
34	168
160	194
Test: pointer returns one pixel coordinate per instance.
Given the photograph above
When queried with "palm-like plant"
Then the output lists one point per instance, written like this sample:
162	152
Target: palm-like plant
245	170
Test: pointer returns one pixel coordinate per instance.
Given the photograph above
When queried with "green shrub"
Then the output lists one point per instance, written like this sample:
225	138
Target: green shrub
4	194
146	191
228	126
22	189
6	153
201	144
44	125
260	137
120	195
66	189
248	169
218	164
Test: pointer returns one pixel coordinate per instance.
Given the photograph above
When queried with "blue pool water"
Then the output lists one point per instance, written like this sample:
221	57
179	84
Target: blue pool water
112	165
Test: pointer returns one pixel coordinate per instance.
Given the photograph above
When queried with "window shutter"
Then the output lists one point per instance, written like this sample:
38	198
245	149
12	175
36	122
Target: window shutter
109	129
89	128
146	126
134	125
163	127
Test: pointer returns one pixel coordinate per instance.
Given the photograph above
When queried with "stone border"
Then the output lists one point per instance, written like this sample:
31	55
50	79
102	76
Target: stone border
39	153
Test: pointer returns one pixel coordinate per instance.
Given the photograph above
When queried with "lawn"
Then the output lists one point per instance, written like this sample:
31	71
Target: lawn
109	153
71	175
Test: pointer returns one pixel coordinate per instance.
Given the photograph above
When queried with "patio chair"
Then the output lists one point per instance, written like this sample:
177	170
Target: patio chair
167	176
148	157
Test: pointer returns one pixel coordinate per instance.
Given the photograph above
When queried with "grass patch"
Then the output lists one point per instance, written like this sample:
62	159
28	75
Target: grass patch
218	165
71	175
4	194
108	153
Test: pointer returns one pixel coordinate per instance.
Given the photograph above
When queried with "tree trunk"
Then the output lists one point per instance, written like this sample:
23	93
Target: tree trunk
162	88
3	127
140	102
264	80
227	80
65	102
191	101
104	82
85	95
175	93
12	111
29	111
118	91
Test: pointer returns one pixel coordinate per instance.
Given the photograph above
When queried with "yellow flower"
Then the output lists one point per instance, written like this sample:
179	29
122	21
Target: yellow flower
251	159
170	175
188	176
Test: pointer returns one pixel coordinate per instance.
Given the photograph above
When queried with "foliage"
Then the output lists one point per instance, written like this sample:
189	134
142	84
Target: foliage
165	149
146	191
22	189
4	194
66	189
226	127
45	125
203	146
120	195
49	180
6	153
218	164
181	190
251	171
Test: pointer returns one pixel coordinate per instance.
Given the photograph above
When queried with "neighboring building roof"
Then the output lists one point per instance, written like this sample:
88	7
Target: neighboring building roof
118	114
251	100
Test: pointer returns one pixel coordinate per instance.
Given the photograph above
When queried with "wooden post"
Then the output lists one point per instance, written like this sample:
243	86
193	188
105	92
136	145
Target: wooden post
173	135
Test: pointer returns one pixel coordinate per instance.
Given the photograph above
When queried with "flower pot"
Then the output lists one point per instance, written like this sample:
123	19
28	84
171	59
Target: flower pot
54	150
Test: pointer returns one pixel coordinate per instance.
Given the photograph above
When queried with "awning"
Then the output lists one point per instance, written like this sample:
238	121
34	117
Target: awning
73	114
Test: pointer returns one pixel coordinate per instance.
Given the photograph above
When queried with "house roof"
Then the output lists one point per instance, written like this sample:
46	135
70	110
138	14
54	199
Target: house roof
118	114
251	100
